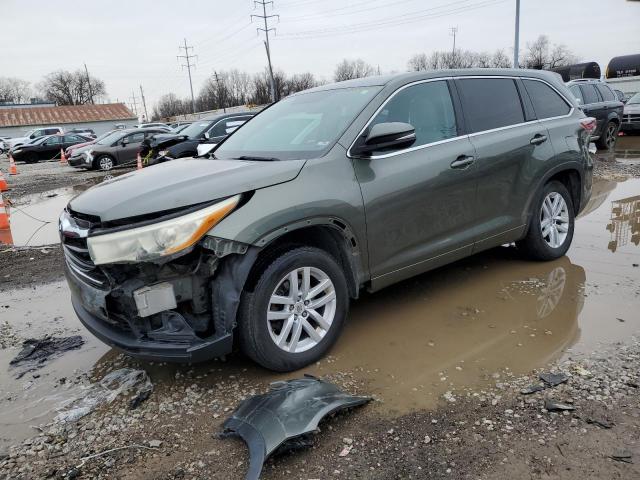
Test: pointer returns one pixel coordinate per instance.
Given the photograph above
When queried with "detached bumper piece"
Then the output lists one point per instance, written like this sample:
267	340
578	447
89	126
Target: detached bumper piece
289	411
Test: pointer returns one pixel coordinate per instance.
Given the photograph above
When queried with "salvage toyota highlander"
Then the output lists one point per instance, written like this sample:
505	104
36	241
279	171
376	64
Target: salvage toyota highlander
354	185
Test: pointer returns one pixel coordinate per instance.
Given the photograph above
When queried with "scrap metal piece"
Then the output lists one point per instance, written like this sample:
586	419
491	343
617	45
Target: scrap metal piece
553	379
553	406
289	410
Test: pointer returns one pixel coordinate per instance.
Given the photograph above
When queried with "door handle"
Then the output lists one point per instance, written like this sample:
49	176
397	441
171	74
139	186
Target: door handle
463	161
538	139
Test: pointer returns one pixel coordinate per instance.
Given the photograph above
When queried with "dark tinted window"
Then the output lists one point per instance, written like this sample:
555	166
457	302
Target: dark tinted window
51	131
546	101
589	94
606	93
427	107
491	103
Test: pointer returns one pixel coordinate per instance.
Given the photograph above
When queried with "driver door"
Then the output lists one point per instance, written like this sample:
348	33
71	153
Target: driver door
129	147
419	201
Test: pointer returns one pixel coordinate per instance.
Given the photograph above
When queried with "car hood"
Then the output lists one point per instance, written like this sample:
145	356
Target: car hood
633	108
180	183
166	140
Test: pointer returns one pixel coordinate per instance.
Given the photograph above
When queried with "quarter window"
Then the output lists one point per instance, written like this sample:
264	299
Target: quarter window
606	93
589	94
427	107
546	101
491	103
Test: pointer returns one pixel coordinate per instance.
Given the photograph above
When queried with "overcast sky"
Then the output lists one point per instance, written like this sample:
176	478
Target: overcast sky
128	43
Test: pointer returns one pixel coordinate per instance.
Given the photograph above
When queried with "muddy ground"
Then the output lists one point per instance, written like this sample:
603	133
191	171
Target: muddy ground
446	378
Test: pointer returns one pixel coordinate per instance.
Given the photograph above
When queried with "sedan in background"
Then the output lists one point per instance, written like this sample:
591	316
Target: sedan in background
46	148
631	114
69	151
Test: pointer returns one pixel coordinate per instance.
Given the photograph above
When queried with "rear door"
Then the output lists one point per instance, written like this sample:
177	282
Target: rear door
594	106
510	143
419	201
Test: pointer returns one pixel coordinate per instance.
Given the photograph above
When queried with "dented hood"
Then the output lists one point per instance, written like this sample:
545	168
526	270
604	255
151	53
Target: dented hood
180	183
165	140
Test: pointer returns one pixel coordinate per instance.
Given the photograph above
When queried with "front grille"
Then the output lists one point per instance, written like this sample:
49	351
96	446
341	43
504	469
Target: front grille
631	118
74	232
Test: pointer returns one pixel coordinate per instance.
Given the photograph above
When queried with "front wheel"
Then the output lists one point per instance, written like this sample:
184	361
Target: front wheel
552	224
296	310
104	163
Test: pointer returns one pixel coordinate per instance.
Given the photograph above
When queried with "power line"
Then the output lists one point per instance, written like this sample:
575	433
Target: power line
188	58
266	31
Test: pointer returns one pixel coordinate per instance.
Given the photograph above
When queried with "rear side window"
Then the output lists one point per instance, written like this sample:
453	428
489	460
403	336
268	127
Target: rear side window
490	103
427	107
576	92
546	101
589	94
606	93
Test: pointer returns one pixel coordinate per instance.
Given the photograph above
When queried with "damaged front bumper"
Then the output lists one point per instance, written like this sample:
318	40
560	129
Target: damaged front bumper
182	309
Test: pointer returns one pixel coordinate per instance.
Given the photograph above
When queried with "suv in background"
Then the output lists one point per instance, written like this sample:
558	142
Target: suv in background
330	191
32	135
598	100
119	148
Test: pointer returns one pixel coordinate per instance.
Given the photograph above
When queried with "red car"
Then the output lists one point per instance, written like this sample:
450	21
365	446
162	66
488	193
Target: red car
69	150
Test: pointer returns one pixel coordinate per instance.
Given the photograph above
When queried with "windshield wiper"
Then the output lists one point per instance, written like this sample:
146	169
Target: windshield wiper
259	159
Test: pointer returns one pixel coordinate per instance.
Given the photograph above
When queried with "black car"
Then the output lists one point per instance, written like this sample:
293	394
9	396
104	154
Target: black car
47	147
164	147
598	100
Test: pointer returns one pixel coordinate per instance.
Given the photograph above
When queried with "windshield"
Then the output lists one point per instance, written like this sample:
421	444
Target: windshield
196	129
299	127
634	100
111	138
38	140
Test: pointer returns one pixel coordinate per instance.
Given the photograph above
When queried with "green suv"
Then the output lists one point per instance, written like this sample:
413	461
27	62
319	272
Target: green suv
344	187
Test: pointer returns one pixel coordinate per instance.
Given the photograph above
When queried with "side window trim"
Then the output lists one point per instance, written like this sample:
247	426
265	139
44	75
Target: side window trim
526	102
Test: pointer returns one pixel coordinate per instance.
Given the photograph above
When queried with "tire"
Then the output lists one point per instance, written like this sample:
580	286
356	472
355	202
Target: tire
607	140
104	163
258	335
539	245
33	158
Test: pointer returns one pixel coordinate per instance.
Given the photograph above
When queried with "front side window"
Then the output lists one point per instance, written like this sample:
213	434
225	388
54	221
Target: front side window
73	139
589	94
547	102
490	103
427	107
136	137
301	126
606	93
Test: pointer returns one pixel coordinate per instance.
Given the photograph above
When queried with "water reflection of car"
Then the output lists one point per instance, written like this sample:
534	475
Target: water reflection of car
631	115
121	147
624	223
46	148
165	147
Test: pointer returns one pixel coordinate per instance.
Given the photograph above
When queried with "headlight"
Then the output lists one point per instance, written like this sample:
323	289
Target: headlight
159	239
17	150
164	153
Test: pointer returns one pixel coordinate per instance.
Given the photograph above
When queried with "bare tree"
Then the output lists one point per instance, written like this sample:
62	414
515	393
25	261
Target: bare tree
418	62
500	60
540	54
301	81
14	90
350	69
170	105
71	88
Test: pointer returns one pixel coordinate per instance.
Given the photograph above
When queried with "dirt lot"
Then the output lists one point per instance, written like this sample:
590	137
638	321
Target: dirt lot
446	378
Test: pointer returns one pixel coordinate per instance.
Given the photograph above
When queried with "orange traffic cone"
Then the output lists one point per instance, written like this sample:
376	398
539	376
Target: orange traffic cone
139	159
13	170
4	214
63	159
5	236
3	183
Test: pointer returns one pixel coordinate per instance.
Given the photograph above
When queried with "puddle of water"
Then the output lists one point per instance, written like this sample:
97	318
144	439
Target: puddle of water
627	151
450	329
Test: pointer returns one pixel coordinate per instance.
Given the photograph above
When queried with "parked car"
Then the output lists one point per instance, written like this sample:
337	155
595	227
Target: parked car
70	150
45	148
598	100
32	135
87	132
631	114
180	123
344	187
179	128
119	148
213	129
162	126
3	144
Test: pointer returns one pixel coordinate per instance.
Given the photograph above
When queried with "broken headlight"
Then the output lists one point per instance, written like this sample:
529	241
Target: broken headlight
158	239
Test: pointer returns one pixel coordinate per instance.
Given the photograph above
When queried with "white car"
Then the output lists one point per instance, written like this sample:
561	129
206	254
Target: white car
32	135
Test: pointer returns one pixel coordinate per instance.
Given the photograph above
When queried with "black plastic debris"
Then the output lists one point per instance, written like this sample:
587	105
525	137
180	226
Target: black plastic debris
532	389
600	423
622	456
553	406
37	351
553	379
289	411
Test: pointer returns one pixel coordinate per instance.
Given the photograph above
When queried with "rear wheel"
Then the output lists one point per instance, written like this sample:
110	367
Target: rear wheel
552	224
296	310
607	140
32	158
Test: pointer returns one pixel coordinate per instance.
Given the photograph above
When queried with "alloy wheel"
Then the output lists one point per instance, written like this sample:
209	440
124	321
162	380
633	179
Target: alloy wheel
106	163
301	309
554	220
610	138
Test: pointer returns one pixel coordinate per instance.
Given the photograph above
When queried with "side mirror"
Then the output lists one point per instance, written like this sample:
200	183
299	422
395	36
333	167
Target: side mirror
389	135
206	135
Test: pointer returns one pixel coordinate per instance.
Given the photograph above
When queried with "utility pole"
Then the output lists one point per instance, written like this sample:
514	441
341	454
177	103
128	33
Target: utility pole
144	104
516	43
218	91
134	102
188	58
89	82
453	33
266	31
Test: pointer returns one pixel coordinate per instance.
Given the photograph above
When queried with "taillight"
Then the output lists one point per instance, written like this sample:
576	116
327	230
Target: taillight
589	124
